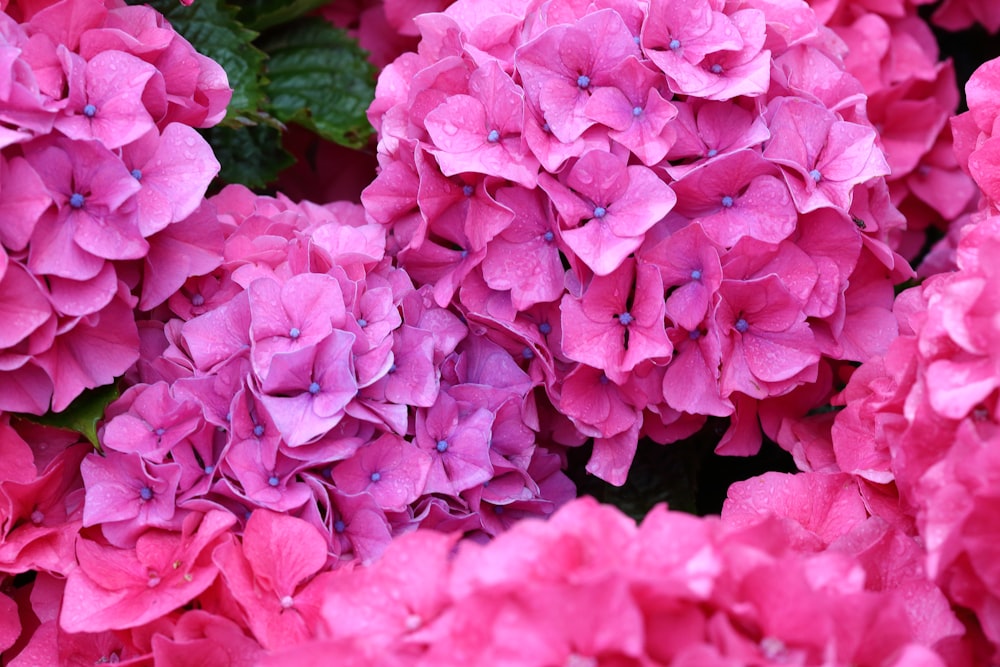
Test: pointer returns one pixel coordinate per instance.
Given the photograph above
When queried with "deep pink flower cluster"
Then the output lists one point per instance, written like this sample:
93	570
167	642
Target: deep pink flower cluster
588	587
961	14
101	179
672	211
918	431
911	96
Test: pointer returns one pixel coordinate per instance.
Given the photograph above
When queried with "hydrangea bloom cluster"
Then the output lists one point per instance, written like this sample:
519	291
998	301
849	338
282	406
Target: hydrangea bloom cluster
101	179
671	211
306	375
911	96
588	587
919	425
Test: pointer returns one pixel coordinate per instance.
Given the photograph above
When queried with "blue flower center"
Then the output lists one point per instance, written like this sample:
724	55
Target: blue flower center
90	111
441	446
674	44
209	470
583	81
294	333
716	68
636	111
160	431
392	368
727	201
696	275
600	211
493	136
545	328
146	493
468	190
625	319
339	526
741	325
712	152
815	175
77	200
273	480
695	335
528	353
548	236
197	300
314	388
137	174
362	322
375	476
258	430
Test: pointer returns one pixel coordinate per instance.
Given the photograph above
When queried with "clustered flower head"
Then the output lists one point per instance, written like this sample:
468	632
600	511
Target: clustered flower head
770	586
307	375
911	96
101	180
672	210
919	426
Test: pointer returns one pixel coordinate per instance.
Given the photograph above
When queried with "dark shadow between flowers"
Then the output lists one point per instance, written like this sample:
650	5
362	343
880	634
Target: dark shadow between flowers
687	475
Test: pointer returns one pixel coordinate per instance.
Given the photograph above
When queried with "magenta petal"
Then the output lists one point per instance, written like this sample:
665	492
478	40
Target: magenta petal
284	551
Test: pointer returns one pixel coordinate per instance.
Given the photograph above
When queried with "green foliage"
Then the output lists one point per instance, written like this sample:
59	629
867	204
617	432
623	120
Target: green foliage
82	414
249	155
263	14
284	68
319	78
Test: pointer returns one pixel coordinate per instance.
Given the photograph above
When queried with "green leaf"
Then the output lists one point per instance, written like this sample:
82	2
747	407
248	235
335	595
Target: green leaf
263	14
250	155
320	79
212	28
82	414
